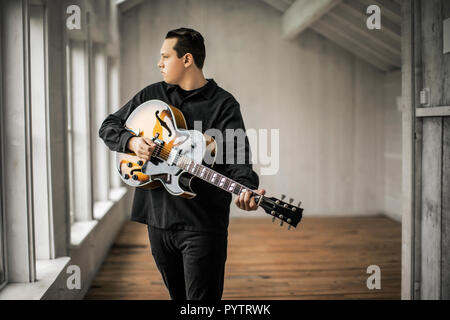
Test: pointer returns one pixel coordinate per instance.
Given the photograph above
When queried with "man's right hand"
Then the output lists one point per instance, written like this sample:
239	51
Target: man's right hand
143	147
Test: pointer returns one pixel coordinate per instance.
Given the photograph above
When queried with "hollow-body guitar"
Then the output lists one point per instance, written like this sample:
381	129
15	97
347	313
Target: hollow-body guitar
178	158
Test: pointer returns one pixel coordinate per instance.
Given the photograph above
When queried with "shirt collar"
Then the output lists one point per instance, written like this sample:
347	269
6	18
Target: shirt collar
207	90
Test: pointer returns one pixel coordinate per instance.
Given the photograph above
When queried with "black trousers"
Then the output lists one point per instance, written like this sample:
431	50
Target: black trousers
192	264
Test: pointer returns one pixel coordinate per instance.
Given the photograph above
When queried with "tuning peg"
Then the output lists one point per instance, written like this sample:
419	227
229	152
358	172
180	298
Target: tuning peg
299	204
289	228
273	219
281	223
283	196
290	200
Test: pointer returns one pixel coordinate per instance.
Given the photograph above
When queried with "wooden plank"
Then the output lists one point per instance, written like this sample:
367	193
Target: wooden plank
431	208
408	157
435	70
328	261
302	14
445	262
433	112
445	270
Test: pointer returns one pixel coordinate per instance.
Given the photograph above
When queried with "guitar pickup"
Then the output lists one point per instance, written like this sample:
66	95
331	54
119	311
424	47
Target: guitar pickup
171	159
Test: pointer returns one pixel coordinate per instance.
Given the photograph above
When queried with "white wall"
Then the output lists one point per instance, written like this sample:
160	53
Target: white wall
327	104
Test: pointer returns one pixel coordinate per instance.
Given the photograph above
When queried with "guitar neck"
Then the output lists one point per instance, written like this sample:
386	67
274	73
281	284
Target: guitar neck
211	176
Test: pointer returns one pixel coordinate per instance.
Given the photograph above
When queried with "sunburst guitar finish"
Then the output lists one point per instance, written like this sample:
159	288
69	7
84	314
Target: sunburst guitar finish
166	126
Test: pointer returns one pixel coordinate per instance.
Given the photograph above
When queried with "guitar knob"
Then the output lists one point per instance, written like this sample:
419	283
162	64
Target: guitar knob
290	200
135	177
140	162
126	176
283	196
129	164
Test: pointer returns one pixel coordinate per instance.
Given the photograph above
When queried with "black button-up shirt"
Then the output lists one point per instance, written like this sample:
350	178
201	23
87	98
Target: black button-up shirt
209	210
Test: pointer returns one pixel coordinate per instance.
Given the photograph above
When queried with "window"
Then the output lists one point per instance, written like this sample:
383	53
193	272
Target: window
40	134
100	156
78	128
113	105
2	226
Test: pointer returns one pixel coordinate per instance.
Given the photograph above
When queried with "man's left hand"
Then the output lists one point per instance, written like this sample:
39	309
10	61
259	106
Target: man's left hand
247	202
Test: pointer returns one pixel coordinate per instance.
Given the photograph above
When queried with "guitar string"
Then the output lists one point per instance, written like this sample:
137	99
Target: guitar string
162	151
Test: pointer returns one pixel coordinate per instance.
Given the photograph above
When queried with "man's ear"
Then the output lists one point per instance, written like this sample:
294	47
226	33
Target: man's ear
188	58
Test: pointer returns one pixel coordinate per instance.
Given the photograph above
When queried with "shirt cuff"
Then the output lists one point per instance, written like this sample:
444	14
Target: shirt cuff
124	141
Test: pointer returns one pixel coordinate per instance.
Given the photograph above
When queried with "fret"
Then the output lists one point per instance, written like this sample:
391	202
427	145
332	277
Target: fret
227	183
199	170
237	191
210	176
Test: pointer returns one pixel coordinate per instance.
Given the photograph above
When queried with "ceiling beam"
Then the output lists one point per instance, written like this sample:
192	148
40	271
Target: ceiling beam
302	14
362	39
389	9
350	44
125	5
377	37
358	10
279	5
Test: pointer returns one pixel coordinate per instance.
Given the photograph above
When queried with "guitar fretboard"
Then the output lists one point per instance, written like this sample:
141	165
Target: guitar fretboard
210	176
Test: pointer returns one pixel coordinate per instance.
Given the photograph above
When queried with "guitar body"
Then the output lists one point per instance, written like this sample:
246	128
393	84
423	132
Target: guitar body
178	158
155	118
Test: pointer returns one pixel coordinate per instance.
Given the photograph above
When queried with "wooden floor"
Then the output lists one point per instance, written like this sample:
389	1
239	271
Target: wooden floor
325	258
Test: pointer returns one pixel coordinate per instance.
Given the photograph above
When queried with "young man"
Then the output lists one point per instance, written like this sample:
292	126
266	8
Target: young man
188	237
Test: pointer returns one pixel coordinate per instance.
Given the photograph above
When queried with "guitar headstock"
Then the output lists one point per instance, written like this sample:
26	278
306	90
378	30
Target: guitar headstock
285	212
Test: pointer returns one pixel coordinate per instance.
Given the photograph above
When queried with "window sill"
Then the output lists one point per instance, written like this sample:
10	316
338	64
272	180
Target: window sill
47	272
81	230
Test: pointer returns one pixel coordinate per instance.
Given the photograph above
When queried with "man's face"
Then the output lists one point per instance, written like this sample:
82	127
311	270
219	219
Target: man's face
171	67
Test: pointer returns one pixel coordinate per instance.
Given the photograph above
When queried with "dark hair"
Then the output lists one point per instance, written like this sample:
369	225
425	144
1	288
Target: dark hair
189	41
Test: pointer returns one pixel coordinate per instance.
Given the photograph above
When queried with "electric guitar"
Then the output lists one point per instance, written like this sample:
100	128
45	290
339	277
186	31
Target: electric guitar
178	157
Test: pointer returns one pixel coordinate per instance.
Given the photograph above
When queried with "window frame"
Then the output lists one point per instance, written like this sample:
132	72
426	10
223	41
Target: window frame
3	248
